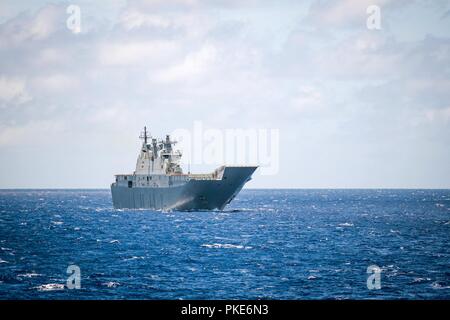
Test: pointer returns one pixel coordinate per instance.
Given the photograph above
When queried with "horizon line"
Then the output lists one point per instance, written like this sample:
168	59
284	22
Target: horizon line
275	188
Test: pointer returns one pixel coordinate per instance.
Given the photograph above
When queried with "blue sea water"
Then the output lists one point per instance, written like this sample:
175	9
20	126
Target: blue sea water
268	244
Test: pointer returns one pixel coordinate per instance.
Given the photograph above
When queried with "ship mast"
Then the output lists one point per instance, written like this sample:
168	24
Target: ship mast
144	135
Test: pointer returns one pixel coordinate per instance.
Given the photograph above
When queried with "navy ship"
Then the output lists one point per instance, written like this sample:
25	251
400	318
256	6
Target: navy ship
159	183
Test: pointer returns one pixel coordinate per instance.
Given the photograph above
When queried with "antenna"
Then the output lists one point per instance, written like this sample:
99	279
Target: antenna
144	135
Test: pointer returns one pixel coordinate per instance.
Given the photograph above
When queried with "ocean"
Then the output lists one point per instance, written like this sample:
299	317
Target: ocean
267	244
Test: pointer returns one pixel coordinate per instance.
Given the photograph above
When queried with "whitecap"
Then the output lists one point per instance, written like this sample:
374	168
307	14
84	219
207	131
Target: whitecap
3	261
225	246
114	241
111	284
345	224
50	287
312	277
418	280
57	223
437	285
133	258
29	275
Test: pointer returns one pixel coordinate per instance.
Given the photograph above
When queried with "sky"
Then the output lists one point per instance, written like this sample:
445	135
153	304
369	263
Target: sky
354	107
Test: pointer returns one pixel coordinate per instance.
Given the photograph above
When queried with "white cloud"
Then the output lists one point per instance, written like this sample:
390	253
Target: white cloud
433	115
361	55
120	53
49	56
133	19
56	83
194	65
39	132
13	90
308	98
343	13
25	28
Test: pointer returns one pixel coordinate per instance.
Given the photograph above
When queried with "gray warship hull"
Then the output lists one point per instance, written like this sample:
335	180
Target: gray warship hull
180	192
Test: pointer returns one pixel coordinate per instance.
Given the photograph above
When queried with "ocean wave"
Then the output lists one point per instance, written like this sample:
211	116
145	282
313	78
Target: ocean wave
155	277
133	258
111	284
346	224
225	246
237	210
29	275
438	285
50	287
420	280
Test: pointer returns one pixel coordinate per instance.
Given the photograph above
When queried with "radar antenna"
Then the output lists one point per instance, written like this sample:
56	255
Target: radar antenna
167	144
144	135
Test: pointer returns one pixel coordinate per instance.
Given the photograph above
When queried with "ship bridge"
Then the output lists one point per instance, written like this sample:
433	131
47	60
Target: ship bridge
157	157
